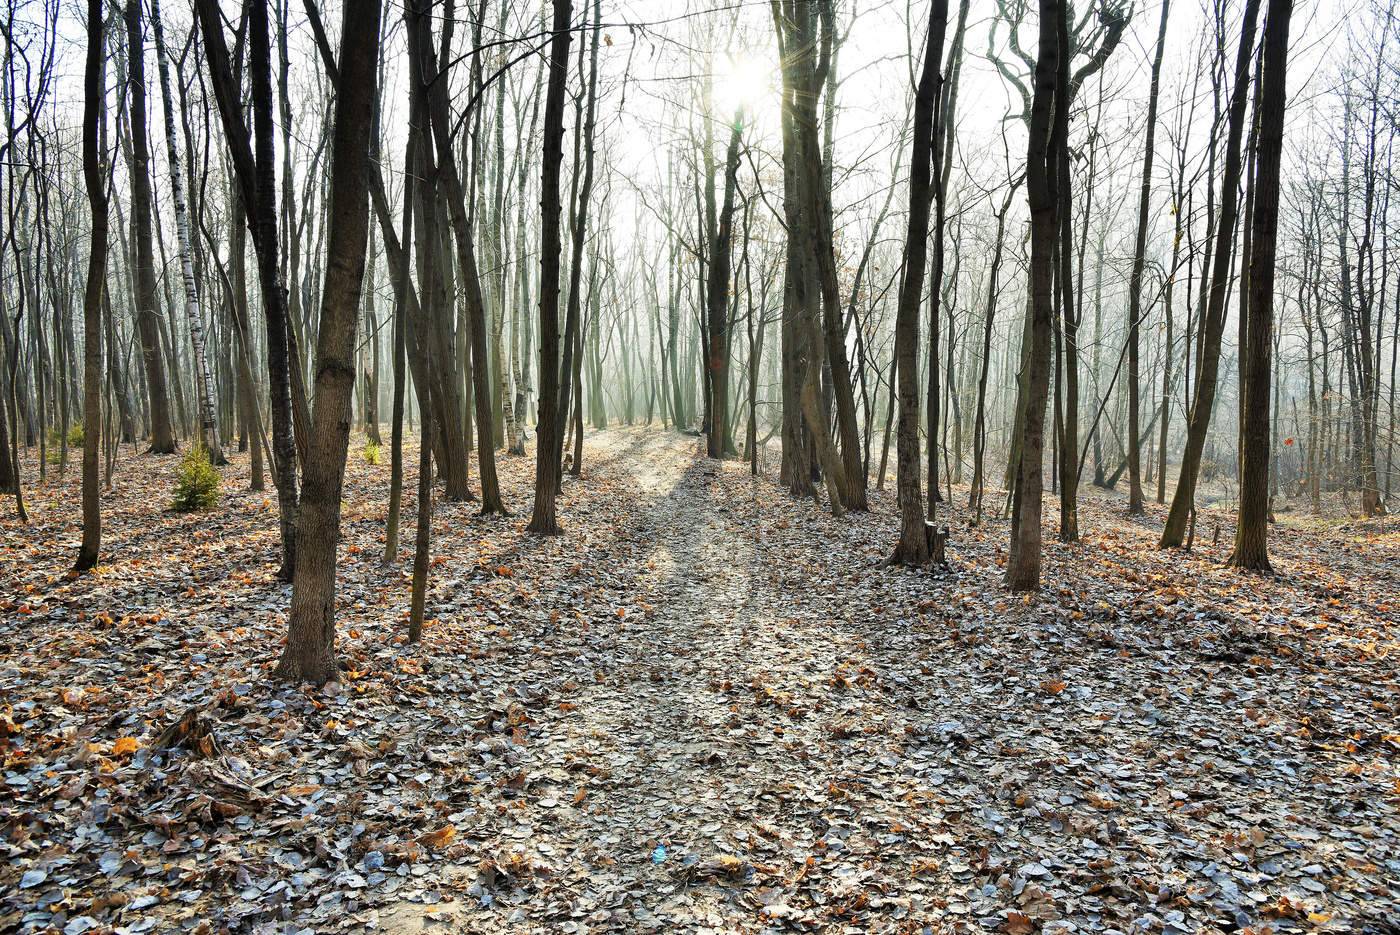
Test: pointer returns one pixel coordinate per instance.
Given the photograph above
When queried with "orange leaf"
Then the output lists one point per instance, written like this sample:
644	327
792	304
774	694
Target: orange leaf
125	745
439	838
1018	923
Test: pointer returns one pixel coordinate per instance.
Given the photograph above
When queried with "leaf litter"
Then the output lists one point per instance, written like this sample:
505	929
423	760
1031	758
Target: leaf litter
706	707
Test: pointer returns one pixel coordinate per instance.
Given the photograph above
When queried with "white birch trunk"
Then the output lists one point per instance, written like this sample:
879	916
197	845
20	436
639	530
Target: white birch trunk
204	381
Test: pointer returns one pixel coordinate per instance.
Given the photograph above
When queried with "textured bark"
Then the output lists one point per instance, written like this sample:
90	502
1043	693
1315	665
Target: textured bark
1023	561
310	651
913	547
93	116
1213	325
204	377
543	519
162	432
1252	531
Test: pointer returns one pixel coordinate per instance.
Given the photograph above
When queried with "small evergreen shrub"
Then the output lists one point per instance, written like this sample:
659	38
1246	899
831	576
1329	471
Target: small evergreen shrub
196	482
371	452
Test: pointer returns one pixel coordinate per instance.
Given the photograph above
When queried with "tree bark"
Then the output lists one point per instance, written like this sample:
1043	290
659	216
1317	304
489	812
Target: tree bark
913	547
543	519
1213	325
93	176
1252	530
310	651
1023	562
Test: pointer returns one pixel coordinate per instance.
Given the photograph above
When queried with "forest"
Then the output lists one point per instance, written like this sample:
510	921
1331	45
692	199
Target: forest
581	466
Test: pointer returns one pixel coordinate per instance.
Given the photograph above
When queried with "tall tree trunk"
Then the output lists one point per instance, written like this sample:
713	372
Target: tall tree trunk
979	431
94	99
913	547
1213	325
583	185
456	198
719	443
256	172
1135	505
544	520
162	431
204	376
310	651
1252	531
401	303
1023	562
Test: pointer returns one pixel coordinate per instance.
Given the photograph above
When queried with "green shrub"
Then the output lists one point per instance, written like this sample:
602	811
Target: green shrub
55	441
371	452
196	482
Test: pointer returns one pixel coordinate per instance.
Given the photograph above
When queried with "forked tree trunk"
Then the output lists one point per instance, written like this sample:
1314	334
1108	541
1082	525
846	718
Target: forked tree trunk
310	651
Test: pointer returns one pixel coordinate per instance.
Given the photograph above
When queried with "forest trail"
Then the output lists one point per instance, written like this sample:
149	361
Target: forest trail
704	707
662	748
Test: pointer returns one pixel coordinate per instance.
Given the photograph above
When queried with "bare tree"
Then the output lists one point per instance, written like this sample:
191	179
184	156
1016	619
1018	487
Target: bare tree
94	114
544	520
1252	531
915	546
310	651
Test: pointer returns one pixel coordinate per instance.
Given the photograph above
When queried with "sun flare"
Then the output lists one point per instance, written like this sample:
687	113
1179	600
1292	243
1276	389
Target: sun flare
744	82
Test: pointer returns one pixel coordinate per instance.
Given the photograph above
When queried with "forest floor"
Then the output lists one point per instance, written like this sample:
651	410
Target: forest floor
706	707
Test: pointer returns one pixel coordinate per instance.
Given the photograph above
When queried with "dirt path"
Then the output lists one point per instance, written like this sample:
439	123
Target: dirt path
647	791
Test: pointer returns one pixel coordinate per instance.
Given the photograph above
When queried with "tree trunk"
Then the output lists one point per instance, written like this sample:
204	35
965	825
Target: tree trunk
1252	531
162	432
310	651
1135	504
204	377
255	169
1213	325
719	443
544	520
94	99
1023	562
913	547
